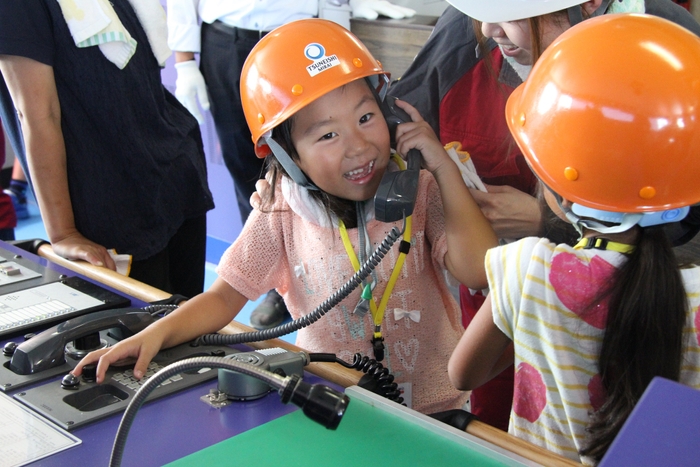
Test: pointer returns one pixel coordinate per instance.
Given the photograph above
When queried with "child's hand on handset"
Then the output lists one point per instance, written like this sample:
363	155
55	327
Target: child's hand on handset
141	347
419	135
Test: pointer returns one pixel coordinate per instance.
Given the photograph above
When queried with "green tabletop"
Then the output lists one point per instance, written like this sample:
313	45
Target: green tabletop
368	435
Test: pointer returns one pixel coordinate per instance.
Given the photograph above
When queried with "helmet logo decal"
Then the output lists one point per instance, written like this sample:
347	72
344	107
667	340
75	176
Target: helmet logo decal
317	54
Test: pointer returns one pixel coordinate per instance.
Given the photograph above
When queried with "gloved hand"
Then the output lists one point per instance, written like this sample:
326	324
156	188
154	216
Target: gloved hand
190	85
371	9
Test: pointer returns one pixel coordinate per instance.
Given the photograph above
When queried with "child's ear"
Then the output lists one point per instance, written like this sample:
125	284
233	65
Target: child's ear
565	203
591	6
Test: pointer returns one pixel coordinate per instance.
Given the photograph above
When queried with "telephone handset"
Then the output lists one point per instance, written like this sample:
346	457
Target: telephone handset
46	350
397	191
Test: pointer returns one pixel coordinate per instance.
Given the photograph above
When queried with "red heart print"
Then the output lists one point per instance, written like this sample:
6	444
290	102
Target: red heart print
530	394
577	283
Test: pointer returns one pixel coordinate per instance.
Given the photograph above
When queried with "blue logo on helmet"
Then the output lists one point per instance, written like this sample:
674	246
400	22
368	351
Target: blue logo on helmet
314	51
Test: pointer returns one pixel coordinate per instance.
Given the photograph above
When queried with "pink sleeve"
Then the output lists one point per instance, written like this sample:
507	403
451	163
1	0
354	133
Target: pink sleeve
257	260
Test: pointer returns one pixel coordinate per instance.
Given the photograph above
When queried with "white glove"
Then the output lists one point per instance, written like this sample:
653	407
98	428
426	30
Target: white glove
190	85
466	165
371	9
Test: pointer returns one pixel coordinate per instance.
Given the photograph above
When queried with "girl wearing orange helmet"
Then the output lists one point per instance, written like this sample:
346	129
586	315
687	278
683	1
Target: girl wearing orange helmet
479	52
591	325
310	91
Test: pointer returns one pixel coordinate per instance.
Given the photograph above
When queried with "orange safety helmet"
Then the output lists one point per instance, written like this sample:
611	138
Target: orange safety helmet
609	117
296	64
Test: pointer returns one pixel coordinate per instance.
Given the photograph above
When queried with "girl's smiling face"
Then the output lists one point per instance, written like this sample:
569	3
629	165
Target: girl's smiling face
515	37
342	142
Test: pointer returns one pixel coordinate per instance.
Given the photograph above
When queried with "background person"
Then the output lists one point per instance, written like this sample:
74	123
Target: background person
115	161
224	33
8	218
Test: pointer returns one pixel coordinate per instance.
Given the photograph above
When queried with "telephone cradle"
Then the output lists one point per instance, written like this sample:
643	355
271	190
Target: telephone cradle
74	408
38	361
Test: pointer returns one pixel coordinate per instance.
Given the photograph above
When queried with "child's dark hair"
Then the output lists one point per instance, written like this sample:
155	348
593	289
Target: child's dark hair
643	336
344	209
553	228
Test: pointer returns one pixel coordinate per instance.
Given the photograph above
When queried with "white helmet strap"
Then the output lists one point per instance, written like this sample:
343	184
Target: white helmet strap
582	217
626	222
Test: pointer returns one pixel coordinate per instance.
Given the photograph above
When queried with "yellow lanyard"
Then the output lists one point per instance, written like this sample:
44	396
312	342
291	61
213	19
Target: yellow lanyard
378	311
603	244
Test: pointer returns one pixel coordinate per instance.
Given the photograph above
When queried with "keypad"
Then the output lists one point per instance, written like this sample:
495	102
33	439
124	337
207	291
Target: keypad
126	378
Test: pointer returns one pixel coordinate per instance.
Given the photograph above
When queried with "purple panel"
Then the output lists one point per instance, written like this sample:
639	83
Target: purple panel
662	429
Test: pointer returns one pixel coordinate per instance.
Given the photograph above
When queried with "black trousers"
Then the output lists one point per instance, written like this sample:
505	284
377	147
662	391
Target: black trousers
222	56
179	268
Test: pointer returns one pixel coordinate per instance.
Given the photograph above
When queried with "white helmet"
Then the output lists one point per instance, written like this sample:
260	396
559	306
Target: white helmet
499	11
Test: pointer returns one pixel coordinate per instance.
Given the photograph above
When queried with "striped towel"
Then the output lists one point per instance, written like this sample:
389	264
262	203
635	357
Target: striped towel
94	22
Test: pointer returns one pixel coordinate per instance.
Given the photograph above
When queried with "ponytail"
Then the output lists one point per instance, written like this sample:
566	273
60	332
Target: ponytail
643	336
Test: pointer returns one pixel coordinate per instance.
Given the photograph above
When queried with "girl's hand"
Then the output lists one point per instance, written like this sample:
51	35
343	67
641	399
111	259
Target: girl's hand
205	313
419	135
261	187
142	347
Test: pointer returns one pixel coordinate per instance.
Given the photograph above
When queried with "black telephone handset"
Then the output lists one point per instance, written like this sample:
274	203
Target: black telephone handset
397	191
46	350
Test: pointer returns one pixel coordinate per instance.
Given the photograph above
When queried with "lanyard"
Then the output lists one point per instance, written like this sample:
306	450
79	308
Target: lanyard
377	311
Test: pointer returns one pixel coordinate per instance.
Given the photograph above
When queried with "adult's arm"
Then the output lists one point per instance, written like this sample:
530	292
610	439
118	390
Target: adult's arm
184	37
184	30
32	87
673	12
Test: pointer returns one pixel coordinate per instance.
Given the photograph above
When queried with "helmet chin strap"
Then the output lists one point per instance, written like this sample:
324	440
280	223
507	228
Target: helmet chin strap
626	222
292	169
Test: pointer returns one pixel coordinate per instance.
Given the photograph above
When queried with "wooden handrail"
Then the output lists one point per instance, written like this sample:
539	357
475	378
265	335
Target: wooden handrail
332	372
127	285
